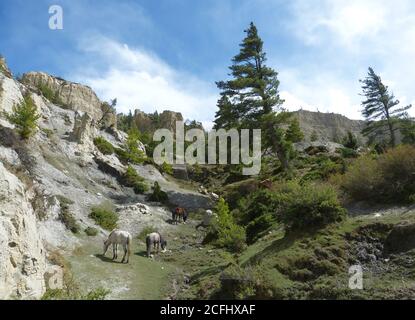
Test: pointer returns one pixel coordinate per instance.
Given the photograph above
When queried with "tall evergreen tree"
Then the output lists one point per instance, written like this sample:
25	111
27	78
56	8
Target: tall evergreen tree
251	98
253	89
380	108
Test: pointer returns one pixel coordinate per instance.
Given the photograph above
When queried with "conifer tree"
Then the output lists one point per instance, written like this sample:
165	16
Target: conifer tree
250	99
253	89
294	133
24	117
380	108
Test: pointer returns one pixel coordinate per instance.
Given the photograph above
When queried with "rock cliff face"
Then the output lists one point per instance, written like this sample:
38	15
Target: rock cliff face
328	126
149	123
74	96
22	255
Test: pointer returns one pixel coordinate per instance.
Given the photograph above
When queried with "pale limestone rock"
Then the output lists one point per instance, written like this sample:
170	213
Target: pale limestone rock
74	96
10	94
22	255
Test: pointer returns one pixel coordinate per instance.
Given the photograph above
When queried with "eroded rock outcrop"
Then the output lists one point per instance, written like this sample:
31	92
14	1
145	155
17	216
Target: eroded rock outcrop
328	126
149	123
73	96
22	255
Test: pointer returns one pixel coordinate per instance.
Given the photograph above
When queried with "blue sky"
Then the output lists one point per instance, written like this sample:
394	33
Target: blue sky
167	54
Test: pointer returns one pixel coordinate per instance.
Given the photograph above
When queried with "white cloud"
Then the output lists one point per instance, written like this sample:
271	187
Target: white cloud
349	36
139	79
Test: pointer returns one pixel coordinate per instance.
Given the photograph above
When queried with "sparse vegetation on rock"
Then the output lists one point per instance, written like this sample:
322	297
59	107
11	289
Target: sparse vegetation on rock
25	117
104	216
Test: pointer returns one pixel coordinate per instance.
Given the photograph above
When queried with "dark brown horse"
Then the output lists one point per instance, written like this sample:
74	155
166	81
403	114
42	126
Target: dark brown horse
179	214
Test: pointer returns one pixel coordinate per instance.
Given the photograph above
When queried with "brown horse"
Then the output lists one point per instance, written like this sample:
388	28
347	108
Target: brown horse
179	214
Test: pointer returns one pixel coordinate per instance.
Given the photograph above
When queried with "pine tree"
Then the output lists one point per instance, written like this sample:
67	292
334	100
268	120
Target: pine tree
380	108
24	117
251	98
294	133
253	89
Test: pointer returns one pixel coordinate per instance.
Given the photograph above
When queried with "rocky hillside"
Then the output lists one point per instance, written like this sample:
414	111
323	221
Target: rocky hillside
50	182
328	126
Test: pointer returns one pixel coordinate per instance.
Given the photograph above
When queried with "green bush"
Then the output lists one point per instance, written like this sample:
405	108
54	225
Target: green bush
387	178
158	195
104	216
66	216
323	170
25	117
103	145
309	205
224	232
349	153
166	168
49	94
91	232
134	180
256	228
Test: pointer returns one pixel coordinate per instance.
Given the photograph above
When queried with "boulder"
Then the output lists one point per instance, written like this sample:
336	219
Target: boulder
401	238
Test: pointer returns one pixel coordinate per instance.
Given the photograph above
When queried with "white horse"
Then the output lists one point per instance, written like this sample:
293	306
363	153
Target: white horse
115	238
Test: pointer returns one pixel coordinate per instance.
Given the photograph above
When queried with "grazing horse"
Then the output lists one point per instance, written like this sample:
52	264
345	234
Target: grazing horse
155	239
115	238
179	214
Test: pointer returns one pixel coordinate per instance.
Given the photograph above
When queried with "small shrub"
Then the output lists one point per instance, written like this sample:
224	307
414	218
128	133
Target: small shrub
224	232
91	232
69	221
49	94
25	117
166	168
134	180
256	228
48	132
349	153
66	216
103	145
104	216
310	205
158	195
